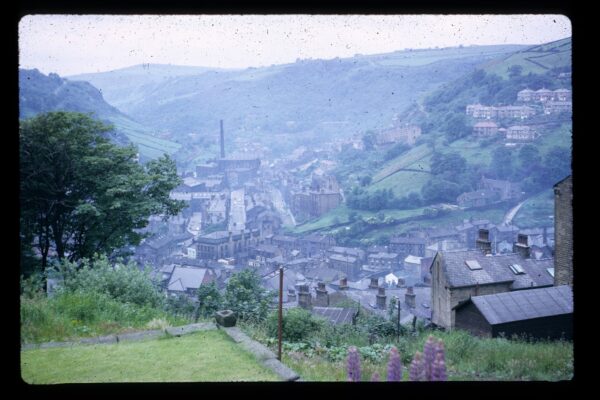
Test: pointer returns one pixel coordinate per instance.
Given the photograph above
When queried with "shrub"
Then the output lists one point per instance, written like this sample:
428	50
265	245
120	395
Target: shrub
297	324
123	282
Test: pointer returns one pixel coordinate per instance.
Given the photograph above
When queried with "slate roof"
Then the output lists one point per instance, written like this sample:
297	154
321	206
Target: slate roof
351	251
339	257
324	274
184	278
384	255
521	305
495	269
163	241
413	259
336	315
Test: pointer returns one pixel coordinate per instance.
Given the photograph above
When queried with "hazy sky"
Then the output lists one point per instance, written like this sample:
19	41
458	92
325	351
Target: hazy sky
72	44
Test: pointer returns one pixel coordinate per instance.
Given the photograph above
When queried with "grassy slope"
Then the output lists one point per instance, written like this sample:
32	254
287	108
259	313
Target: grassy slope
200	357
536	211
537	59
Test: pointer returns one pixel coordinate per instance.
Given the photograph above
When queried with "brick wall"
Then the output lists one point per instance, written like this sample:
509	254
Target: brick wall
563	232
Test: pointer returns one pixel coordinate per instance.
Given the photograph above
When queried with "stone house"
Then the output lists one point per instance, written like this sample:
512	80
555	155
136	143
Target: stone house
187	280
405	245
522	133
386	261
485	129
459	275
506	190
557	107
224	244
349	265
477	198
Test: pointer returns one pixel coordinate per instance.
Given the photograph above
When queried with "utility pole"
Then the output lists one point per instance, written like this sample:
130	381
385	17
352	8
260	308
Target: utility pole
398	323
280	311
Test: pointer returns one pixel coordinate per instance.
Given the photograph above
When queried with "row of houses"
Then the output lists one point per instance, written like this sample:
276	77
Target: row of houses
522	133
479	111
543	95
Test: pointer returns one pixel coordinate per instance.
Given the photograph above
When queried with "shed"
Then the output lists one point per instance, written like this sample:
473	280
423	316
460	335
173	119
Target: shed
540	313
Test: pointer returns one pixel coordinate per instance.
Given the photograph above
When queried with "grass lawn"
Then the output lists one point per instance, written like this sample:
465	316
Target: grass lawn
208	356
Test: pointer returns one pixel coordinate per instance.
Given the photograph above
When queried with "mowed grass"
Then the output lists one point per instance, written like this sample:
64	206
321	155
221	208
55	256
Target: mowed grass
209	356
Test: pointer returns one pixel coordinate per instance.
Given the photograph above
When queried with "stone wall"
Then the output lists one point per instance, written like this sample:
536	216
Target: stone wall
563	232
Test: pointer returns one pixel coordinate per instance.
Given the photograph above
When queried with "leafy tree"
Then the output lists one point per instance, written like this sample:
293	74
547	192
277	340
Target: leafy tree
438	190
297	324
514	71
529	156
210	299
369	140
502	163
558	164
365	180
82	195
245	295
448	166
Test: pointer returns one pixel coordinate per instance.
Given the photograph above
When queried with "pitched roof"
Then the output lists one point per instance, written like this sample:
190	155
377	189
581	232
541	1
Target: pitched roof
186	278
336	315
339	257
413	259
494	269
525	304
407	240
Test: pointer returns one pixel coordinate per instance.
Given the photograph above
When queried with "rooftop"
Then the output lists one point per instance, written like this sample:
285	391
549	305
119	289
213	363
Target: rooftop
520	305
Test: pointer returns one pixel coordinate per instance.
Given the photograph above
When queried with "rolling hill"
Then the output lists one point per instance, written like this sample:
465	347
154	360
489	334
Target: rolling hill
282	106
39	93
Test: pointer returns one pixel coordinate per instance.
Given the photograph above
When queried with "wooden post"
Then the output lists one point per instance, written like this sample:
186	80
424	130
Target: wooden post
280	311
398	323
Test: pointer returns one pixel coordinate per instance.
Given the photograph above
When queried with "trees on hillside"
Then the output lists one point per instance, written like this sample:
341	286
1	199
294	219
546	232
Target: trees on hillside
80	194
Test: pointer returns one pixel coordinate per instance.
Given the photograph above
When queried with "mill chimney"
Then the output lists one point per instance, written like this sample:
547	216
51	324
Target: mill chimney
222	141
304	297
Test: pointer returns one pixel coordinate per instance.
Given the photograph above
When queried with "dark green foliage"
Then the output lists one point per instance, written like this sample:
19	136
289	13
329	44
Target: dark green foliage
448	166
125	283
82	195
501	166
437	190
246	296
180	304
210	299
395	151
297	324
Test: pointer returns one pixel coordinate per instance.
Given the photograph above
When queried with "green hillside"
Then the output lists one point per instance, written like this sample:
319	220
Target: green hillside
536	59
40	93
283	106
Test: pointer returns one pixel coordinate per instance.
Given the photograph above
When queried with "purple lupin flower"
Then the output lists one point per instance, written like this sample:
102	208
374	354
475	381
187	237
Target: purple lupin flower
429	351
440	350
394	371
417	368
353	363
439	369
375	377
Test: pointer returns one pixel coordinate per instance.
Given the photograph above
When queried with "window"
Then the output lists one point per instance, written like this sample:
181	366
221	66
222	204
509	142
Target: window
516	269
473	264
550	271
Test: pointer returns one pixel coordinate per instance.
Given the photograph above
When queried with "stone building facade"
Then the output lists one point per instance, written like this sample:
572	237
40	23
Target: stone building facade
563	232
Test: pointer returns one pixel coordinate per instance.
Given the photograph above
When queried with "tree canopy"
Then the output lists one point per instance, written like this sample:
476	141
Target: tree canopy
81	194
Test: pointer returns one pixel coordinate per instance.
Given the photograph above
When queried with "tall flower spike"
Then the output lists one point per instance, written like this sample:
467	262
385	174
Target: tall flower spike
440	349
353	363
439	369
375	377
429	351
394	371
417	368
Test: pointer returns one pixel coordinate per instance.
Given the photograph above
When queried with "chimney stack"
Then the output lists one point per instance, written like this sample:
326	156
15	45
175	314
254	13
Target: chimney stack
409	297
483	242
322	299
374	283
291	295
522	247
304	297
222	141
381	298
343	283
401	282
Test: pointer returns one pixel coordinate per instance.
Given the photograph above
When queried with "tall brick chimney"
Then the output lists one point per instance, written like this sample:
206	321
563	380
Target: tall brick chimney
304	297
409	297
222	141
374	283
322	299
381	298
483	241
522	247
